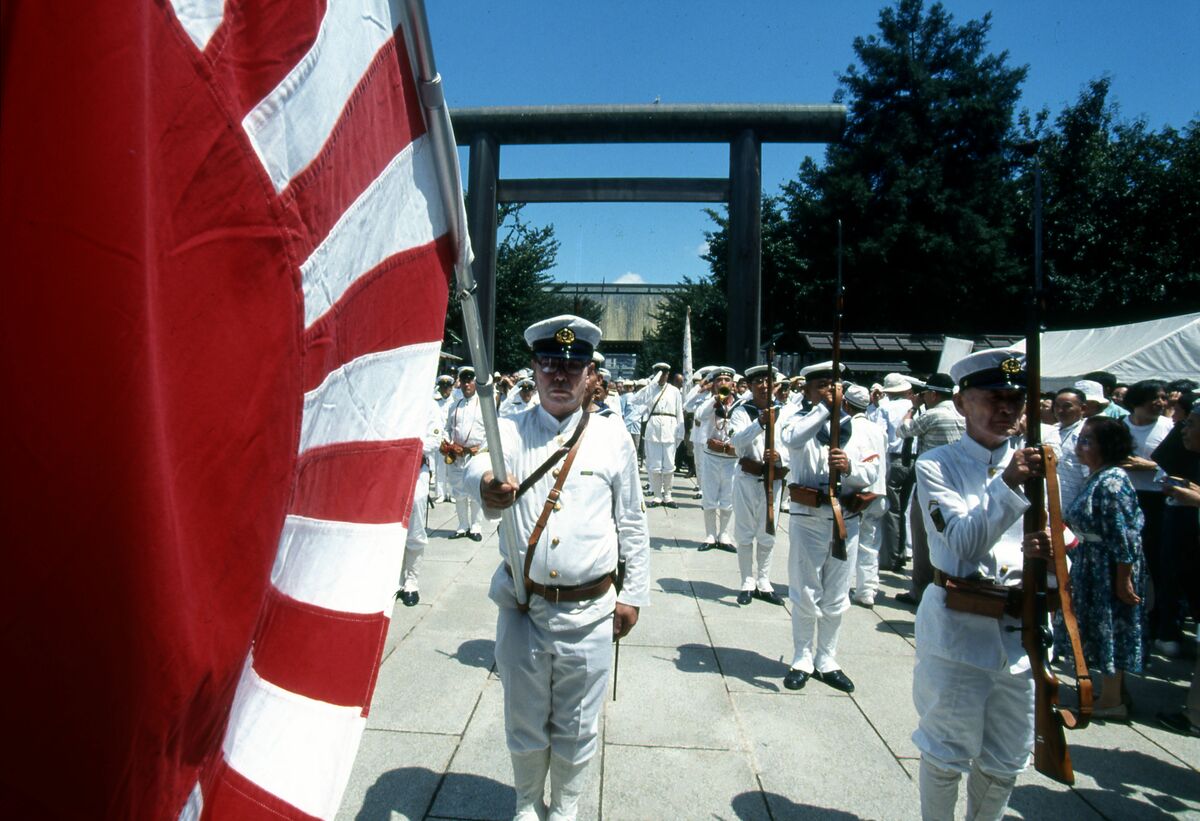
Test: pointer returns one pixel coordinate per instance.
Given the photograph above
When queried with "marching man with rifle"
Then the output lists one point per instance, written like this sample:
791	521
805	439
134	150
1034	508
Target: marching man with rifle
757	484
718	457
574	493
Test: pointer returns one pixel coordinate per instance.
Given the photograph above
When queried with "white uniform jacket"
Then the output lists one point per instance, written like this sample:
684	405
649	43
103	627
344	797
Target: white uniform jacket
464	422
515	404
809	461
973	520
432	439
875	439
664	424
749	437
601	515
712	424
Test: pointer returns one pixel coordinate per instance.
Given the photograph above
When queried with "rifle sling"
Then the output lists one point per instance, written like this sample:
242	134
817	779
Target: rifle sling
551	501
1083	679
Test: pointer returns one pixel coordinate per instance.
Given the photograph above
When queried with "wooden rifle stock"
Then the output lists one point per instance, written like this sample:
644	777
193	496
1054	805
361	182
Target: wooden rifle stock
838	544
769	442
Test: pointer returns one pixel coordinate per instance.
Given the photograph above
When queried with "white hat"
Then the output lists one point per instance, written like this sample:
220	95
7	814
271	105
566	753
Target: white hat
720	370
756	371
525	385
660	366
875	386
896	383
857	396
467	371
993	369
821	370
524	373
598	358
605	374
1092	391
737	377
566	336
445	379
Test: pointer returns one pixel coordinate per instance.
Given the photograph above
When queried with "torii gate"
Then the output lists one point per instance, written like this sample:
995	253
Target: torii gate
744	127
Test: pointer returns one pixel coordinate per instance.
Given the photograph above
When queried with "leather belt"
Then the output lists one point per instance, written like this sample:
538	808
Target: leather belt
556	593
720	448
660	413
984	590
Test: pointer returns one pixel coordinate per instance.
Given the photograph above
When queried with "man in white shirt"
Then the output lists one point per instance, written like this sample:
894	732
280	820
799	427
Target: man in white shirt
819	583
866	573
664	432
521	400
417	539
972	685
464	438
574	522
901	452
717	454
441	486
1072	476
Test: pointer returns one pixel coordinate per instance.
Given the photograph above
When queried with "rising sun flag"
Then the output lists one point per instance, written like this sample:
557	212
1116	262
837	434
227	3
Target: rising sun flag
227	260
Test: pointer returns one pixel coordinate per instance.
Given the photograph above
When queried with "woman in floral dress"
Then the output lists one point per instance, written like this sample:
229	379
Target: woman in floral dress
1107	570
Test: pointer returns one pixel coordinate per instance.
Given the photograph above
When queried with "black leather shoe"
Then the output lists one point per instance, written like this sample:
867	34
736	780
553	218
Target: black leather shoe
475	537
769	598
673	505
652	503
835	679
745	597
409	598
795	679
706	546
908	598
458	534
726	546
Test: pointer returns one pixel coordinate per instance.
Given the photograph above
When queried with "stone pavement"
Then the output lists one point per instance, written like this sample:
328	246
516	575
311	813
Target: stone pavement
703	728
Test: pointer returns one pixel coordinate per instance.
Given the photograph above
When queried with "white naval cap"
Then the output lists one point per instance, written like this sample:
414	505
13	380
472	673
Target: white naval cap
525	385
660	366
993	369
597	358
466	373
857	396
445	379
821	370
565	336
1092	391
896	383
720	370
755	371
605	374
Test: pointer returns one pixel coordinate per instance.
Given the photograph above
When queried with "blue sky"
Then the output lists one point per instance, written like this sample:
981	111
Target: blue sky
565	52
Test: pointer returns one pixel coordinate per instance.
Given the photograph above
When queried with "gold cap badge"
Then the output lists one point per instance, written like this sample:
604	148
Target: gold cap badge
1011	366
565	336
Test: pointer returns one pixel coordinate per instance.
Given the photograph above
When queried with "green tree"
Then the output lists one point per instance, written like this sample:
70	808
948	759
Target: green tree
1120	210
525	291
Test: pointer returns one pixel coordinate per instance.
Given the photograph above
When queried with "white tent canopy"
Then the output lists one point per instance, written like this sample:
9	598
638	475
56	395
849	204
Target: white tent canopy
1167	348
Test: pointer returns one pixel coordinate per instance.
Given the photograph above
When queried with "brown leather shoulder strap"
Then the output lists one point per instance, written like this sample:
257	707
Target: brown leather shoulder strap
532	479
1083	679
552	500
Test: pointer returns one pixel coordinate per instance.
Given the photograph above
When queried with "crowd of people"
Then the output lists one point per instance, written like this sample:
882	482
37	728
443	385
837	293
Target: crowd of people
928	475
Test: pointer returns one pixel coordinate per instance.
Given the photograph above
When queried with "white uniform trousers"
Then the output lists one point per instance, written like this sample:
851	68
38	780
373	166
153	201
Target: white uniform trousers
660	457
971	715
554	684
818	586
870	531
441	481
716	480
414	545
470	517
750	526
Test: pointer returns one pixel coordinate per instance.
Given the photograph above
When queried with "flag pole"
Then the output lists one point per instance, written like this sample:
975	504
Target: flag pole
686	365
441	139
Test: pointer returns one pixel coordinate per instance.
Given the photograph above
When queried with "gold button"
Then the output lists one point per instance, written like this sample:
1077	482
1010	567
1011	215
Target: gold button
554	473
558	505
554	574
554	541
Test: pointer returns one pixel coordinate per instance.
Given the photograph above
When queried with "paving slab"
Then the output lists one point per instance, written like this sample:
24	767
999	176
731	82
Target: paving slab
429	684
463	609
648	783
672	697
883	692
814	749
395	775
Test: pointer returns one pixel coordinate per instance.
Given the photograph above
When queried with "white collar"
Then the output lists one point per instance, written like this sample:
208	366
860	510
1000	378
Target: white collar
553	425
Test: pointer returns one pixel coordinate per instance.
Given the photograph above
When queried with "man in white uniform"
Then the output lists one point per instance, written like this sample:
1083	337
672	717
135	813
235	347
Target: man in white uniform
441	487
900	457
818	583
664	431
554	657
521	400
972	684
718	456
691	403
747	425
1072	476
417	539
866	567
464	438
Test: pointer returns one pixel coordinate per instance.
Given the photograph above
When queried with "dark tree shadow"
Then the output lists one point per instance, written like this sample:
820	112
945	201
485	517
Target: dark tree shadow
413	792
753	668
718	593
680	587
753	805
904	629
475	653
1162	783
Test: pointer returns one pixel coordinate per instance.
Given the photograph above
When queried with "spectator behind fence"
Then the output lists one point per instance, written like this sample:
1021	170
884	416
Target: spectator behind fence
1107	568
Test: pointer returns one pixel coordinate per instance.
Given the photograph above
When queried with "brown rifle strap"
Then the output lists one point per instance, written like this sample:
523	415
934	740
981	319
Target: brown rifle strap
1082	677
532	479
552	501
835	479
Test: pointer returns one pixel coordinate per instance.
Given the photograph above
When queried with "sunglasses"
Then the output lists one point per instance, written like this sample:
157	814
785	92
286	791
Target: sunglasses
555	364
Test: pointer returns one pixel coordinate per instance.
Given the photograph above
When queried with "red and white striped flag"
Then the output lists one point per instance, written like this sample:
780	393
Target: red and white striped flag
226	261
